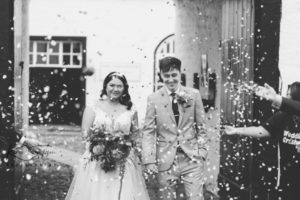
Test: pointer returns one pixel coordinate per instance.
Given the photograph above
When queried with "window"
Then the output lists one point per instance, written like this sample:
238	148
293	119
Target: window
55	53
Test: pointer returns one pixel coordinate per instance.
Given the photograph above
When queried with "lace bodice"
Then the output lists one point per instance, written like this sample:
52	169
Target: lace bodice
92	182
121	123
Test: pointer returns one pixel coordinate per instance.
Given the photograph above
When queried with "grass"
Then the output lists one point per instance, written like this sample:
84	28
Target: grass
46	180
49	180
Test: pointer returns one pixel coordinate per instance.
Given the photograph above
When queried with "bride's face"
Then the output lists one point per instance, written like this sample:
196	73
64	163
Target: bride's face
114	89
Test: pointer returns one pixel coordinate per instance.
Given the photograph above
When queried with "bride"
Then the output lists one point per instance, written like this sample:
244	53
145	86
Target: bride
97	177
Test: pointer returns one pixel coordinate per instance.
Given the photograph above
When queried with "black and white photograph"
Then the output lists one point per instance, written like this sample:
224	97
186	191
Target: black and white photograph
149	100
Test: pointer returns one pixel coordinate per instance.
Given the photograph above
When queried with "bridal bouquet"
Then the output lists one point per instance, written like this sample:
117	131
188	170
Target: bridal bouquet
110	148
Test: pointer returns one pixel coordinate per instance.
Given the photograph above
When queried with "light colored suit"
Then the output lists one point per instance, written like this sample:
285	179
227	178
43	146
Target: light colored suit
162	136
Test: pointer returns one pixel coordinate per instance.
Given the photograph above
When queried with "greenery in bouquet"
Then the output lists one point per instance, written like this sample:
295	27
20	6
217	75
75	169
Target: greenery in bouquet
110	148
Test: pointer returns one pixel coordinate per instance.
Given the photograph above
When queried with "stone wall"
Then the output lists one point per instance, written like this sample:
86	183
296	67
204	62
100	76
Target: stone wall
197	32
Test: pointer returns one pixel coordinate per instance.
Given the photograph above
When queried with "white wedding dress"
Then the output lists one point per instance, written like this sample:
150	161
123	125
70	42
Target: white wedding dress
91	182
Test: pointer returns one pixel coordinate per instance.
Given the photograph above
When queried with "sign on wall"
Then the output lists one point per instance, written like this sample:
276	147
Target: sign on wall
131	71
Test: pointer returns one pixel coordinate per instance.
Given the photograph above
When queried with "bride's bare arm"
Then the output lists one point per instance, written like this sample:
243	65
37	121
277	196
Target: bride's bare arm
87	121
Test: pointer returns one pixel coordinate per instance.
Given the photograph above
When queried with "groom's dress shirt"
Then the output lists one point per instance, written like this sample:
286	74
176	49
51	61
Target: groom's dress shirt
170	93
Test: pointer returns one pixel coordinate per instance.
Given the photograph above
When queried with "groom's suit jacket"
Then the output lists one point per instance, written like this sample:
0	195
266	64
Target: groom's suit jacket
162	136
290	106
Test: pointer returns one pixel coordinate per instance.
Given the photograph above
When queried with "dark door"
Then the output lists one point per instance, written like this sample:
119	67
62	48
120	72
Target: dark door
57	96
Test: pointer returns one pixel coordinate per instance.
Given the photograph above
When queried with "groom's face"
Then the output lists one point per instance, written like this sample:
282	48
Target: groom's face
171	79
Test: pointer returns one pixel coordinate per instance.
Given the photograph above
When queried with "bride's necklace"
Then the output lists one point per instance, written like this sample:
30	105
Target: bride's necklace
114	112
114	105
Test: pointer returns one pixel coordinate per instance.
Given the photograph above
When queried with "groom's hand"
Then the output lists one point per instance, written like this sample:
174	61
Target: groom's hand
151	168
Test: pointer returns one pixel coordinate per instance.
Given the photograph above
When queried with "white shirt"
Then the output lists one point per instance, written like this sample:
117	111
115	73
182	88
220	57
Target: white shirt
169	92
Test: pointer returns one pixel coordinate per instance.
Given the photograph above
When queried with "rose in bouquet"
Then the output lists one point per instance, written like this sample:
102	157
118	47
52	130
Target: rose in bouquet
111	148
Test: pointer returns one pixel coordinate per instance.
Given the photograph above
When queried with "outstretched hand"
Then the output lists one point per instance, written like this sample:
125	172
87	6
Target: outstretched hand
33	147
266	92
229	130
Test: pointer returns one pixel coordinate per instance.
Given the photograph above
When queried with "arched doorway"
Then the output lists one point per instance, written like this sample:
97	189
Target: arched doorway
166	47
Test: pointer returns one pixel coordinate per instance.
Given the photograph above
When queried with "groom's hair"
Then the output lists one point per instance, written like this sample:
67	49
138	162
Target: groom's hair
168	63
295	91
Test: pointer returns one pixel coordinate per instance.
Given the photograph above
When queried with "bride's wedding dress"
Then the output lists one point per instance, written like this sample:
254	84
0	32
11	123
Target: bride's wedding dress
91	182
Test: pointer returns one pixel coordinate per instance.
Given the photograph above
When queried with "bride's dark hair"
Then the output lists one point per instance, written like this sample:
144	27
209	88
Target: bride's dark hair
125	98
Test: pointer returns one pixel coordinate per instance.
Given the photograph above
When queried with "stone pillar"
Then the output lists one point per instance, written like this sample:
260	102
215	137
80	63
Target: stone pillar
21	69
198	34
21	82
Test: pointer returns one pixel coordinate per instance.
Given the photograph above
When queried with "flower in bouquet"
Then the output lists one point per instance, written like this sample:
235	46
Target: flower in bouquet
111	148
98	149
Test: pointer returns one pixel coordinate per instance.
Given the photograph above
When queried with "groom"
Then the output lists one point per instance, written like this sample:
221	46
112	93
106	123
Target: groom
174	139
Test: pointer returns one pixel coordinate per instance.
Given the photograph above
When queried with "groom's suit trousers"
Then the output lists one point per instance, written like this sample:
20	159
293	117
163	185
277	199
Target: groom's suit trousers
189	172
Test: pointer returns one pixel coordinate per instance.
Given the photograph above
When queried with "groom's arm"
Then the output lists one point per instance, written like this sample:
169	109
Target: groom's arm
200	120
149	134
199	112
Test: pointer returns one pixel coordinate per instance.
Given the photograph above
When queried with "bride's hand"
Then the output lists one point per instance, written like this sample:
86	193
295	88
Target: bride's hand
152	168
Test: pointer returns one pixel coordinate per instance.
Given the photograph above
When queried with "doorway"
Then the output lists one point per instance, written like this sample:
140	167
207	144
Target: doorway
57	86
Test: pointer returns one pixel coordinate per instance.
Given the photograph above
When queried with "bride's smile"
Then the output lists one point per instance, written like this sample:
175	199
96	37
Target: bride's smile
114	89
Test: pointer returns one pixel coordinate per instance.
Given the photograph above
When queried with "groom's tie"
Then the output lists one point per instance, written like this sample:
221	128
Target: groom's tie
175	107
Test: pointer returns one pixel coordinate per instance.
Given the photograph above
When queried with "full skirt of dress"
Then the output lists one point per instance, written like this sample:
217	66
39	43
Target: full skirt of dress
91	182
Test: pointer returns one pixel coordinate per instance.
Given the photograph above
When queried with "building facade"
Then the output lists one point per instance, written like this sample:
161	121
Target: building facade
71	37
